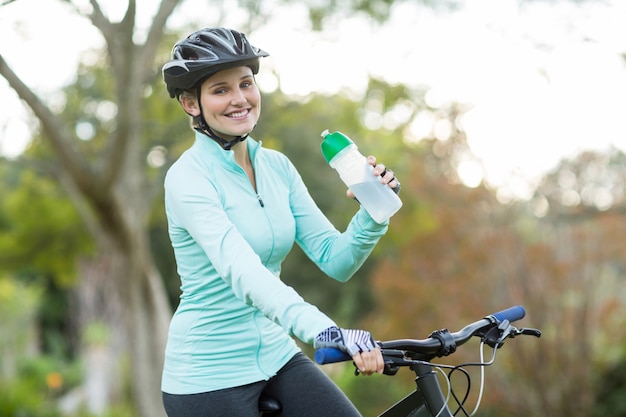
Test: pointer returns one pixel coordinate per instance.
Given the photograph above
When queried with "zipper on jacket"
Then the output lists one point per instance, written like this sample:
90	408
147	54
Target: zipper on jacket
256	178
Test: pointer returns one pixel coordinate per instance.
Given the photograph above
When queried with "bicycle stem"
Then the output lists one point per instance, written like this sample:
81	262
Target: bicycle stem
428	384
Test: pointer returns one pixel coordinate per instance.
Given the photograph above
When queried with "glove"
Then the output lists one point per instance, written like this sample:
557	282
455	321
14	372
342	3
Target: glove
350	341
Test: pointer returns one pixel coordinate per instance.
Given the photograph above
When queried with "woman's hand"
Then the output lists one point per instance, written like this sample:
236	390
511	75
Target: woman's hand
386	176
369	362
359	344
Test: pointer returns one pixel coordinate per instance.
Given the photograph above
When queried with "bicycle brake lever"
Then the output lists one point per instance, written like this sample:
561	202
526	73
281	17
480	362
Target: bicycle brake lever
507	330
495	336
512	332
528	332
391	369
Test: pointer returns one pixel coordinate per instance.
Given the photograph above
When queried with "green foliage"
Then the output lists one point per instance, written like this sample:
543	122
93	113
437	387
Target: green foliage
30	384
18	307
40	232
22	399
374	394
610	400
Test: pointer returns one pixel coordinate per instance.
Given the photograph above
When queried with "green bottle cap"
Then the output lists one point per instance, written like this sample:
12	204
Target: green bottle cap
334	143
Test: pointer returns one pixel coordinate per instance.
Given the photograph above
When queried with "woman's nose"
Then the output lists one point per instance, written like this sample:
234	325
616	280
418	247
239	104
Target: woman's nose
239	97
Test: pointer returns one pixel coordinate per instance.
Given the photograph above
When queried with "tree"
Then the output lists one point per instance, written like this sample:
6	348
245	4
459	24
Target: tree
464	255
576	279
115	197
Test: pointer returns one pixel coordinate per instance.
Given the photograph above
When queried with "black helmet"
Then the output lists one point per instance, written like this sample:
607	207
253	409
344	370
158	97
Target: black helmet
206	52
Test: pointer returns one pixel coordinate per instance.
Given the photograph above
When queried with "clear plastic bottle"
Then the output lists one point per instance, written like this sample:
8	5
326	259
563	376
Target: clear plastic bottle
343	155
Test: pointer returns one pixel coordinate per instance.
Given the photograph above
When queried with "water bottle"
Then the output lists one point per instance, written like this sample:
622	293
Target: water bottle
343	155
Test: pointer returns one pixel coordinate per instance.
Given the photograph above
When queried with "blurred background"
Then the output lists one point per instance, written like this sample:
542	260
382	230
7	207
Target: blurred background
502	118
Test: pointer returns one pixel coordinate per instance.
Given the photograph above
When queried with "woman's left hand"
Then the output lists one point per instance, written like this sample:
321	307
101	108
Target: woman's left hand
386	176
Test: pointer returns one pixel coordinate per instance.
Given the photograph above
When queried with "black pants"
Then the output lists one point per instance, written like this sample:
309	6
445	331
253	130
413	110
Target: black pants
300	386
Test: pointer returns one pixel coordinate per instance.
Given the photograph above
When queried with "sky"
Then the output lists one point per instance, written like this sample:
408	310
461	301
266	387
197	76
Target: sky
542	80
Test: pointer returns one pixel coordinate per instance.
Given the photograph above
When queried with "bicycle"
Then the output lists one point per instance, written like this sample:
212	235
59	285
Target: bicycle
428	399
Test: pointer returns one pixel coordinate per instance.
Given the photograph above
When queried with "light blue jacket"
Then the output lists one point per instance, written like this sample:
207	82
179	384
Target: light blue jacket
235	318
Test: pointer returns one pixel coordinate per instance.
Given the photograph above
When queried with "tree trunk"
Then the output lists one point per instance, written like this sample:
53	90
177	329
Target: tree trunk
100	311
149	315
124	315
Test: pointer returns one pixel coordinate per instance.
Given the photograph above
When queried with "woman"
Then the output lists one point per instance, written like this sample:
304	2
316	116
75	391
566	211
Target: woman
234	211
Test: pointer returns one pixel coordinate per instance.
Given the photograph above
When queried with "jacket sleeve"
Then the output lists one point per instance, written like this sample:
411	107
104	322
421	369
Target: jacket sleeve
339	255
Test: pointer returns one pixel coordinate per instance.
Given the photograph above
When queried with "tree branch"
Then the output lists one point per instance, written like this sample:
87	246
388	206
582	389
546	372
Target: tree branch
59	137
155	34
123	59
131	71
100	21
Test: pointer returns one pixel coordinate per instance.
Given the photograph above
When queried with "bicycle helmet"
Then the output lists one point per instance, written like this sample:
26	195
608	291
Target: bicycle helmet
206	52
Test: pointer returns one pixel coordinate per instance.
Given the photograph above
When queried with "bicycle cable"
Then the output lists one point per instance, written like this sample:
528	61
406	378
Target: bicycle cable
482	376
449	385
481	364
468	381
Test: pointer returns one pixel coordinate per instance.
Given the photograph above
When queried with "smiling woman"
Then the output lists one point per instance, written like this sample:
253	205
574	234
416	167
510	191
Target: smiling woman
235	210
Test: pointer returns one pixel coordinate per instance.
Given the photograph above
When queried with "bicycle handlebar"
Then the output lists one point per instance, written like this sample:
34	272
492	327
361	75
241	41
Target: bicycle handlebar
511	314
437	344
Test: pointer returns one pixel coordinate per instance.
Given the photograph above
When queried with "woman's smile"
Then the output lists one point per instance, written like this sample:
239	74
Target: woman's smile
239	114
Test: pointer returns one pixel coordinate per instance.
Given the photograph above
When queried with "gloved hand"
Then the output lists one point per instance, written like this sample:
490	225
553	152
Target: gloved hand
347	340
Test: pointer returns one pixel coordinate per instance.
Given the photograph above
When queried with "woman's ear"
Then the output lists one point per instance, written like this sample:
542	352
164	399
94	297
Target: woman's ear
190	105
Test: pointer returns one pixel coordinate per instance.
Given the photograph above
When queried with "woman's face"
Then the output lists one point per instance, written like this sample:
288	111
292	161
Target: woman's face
231	102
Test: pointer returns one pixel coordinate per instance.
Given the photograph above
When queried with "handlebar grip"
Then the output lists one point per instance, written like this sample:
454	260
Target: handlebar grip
511	314
331	355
